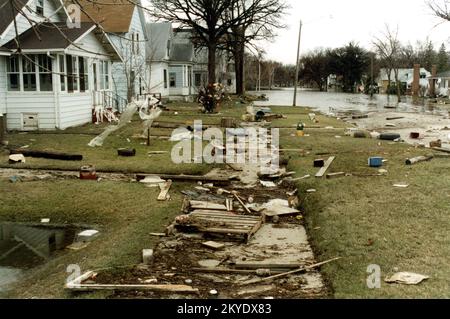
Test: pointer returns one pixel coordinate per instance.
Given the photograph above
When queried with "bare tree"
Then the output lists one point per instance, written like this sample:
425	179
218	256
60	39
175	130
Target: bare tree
204	17
389	50
258	20
440	8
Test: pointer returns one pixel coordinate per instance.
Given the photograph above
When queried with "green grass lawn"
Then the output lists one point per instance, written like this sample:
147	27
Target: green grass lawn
365	220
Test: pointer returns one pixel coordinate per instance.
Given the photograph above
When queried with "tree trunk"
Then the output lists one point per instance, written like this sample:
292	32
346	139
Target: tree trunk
212	47
239	69
399	95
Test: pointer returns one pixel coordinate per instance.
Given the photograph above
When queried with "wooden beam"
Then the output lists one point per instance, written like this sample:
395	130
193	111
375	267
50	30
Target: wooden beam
324	169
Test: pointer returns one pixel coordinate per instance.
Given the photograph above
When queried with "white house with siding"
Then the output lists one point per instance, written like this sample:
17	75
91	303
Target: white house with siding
170	56
51	76
124	22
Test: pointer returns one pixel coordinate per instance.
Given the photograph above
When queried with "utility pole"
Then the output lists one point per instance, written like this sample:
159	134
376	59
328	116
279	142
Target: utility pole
259	72
371	76
297	68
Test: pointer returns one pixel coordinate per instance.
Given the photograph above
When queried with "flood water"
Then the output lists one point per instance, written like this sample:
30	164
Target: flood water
329	101
23	247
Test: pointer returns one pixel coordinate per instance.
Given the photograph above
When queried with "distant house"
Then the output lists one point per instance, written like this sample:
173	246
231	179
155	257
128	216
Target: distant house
125	24
51	82
442	83
405	77
178	69
225	72
171	61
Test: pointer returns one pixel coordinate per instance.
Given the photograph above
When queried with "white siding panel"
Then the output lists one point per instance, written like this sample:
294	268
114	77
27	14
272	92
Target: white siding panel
3	85
157	78
89	46
76	109
26	102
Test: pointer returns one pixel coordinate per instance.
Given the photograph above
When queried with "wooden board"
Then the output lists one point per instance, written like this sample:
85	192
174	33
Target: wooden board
217	222
165	187
324	169
207	205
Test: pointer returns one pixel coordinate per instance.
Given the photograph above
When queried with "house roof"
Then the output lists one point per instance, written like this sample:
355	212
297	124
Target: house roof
441	75
57	36
50	36
181	52
159	34
6	14
113	15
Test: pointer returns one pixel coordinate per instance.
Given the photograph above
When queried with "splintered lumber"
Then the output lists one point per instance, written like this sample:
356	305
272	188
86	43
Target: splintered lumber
207	205
77	285
189	178
302	269
242	204
47	155
165	187
324	169
419	159
216	222
335	175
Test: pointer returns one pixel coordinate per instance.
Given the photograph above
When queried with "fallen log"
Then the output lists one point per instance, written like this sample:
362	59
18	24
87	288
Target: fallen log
419	159
47	155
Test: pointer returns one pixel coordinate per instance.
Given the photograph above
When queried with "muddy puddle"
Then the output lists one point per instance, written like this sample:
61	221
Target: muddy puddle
24	247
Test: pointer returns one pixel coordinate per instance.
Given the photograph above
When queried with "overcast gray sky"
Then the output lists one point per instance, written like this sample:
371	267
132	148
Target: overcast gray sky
357	20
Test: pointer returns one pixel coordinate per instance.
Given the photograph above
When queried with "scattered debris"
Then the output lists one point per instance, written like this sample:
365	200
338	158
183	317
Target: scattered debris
389	136
152	181
395	118
147	256
406	278
165	188
335	175
88	173
419	159
268	184
213	245
324	169
256	290
278	207
401	185
375	161
270	278
414	135
16	158
124	152
436	144
15	179
319	163
87	235
45	220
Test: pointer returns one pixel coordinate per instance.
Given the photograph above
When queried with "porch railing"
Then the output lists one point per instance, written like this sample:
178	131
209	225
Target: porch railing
114	101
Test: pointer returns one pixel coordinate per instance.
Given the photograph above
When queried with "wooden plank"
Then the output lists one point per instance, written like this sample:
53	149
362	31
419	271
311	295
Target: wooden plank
324	169
242	204
213	245
440	149
207	205
225	231
165	188
189	178
155	288
218	214
250	282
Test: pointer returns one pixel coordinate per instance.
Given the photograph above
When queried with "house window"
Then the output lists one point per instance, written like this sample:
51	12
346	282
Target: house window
40	7
198	79
62	72
173	80
45	73
137	43
83	72
13	73
229	82
72	73
165	79
132	43
29	72
104	75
